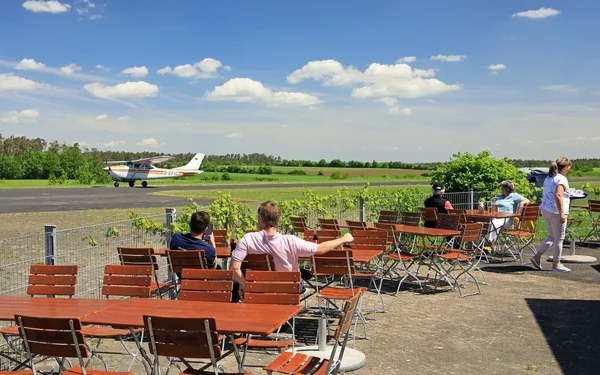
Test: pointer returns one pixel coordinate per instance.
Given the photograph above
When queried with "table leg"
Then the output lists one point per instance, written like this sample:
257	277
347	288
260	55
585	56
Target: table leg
148	363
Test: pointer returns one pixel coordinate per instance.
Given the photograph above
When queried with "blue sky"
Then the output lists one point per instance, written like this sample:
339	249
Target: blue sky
385	80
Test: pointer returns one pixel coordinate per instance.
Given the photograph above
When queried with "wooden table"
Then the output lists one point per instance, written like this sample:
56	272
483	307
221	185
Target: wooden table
492	215
51	307
222	252
231	318
425	232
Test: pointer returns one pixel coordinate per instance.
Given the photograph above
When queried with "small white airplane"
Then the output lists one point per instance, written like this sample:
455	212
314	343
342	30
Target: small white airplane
144	169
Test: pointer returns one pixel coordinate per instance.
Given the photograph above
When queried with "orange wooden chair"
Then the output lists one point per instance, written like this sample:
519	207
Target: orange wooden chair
388	216
181	339
144	256
299	363
221	239
43	280
331	224
258	262
517	240
58	338
298	224
180	259
356	225
206	285
429	216
594	210
123	282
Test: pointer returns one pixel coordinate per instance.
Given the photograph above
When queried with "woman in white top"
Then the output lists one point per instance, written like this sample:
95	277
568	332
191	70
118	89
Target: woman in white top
555	208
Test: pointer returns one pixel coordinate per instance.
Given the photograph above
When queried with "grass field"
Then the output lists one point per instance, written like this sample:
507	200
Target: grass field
353	172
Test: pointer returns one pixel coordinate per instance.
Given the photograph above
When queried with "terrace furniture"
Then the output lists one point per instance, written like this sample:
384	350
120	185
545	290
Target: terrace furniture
220	236
144	256
331	224
298	224
356	225
58	338
465	259
206	285
429	216
594	210
300	363
180	259
521	238
258	262
388	216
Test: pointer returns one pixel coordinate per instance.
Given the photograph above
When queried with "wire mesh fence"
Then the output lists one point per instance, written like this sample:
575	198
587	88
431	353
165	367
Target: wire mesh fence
16	255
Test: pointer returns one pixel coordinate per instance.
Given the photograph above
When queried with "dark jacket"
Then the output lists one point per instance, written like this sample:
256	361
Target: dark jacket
438	202
187	242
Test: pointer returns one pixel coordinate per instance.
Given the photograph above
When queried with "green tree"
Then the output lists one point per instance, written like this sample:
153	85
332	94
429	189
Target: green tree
10	167
51	165
33	164
481	172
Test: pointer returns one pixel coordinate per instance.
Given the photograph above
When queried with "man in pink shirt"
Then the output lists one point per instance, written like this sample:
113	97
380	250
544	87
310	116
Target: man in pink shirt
285	249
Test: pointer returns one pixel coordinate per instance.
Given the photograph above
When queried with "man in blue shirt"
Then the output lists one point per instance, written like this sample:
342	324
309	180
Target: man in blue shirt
199	223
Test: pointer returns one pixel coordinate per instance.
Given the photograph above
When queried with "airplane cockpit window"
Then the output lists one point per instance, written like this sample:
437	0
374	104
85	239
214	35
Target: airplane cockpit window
129	164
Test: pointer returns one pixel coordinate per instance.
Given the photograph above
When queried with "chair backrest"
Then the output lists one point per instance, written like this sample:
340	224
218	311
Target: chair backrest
206	285
376	240
356	225
411	218
322	235
448	221
272	287
137	256
471	233
529	217
331	224
183	338
486	223
457	211
180	259
52	337
298	223
429	214
258	262
335	262
127	281
221	239
342	332
392	237
388	216
52	280
594	205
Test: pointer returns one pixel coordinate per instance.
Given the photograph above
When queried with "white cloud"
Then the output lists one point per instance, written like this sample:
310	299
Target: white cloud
206	68
113	144
538	14
70	69
125	90
29	64
96	17
136	71
448	58
123	118
52	6
560	88
397	111
497	67
20	116
377	80
102	117
248	90
407	111
406	59
148	142
9	81
100	66
234	135
387	101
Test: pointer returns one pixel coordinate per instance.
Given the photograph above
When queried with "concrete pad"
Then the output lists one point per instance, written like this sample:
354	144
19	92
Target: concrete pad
576	259
353	359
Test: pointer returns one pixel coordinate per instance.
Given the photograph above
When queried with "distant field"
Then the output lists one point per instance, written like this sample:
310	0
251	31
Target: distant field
367	172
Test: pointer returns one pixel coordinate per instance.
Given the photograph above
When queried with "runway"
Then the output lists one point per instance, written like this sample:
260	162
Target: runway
95	198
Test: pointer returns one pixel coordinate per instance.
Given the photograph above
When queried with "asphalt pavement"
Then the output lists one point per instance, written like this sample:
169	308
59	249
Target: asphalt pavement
70	199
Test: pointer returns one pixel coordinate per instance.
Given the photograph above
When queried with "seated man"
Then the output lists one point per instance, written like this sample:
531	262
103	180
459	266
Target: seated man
199	223
285	249
437	201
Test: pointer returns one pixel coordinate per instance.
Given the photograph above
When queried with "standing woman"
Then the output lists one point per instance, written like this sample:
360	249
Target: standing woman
555	208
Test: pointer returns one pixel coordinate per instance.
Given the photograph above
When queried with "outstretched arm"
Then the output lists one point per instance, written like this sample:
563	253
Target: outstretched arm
326	246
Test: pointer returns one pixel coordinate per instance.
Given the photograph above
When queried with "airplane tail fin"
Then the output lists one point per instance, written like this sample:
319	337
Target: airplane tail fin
194	164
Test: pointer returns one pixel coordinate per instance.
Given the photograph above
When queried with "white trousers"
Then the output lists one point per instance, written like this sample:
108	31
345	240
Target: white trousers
556	234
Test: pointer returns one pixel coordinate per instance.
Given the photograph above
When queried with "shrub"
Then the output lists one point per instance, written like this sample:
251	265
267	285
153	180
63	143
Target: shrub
320	173
338	176
225	177
264	169
297	172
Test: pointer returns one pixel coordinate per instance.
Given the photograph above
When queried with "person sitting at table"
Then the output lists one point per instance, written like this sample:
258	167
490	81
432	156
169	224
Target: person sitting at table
507	201
437	201
199	223
284	249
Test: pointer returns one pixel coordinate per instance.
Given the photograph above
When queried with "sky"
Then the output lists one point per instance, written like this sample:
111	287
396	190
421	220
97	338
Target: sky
339	79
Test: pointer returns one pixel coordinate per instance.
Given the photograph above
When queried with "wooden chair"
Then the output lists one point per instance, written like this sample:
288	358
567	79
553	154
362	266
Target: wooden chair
298	224
429	216
356	225
368	249
180	259
461	213
206	285
58	338
329	224
124	282
43	280
258	262
300	363
388	217
221	239
594	210
144	256
516	241
411	218
277	288
322	234
180	339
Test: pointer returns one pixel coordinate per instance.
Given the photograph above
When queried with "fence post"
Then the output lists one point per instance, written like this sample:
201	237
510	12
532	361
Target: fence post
50	239
471	199
169	220
361	204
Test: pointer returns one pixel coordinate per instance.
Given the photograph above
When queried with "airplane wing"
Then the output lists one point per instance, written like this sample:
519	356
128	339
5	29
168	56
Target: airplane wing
151	161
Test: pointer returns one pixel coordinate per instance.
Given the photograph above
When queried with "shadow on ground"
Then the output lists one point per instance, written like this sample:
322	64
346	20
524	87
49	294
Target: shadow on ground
572	331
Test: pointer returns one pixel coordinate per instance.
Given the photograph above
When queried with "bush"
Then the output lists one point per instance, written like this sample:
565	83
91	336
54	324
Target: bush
297	172
216	177
264	170
225	177
338	176
320	173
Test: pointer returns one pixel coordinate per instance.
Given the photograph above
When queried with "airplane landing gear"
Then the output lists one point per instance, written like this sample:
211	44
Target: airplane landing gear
131	183
144	183
116	183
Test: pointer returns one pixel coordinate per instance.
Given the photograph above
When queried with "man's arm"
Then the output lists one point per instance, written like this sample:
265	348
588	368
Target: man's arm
326	246
448	205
